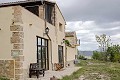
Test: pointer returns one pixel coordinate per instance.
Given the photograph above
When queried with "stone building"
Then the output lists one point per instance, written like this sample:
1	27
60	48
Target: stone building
71	51
30	32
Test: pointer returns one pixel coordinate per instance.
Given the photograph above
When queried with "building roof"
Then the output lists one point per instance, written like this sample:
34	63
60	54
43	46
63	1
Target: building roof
29	2
70	34
26	2
23	2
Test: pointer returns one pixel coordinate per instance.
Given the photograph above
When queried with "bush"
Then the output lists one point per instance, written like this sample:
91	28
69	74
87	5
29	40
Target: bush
4	78
96	55
82	57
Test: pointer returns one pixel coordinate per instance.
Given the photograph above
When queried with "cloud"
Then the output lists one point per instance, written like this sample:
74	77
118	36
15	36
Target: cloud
90	10
86	31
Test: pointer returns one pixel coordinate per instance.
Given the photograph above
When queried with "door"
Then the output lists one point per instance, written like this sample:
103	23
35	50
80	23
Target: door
42	53
60	55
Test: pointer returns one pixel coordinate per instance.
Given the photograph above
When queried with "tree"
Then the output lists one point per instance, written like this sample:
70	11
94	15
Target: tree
114	53
109	52
104	42
97	55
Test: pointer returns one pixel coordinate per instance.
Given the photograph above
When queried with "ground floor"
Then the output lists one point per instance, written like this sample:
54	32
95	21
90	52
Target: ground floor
24	45
57	74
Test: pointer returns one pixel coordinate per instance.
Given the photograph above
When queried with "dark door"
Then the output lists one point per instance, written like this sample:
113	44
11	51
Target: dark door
60	55
42	53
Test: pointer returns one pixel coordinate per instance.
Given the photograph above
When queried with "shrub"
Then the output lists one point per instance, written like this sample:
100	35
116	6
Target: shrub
4	78
81	57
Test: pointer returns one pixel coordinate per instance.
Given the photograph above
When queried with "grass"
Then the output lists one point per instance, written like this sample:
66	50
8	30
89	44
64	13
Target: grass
96	70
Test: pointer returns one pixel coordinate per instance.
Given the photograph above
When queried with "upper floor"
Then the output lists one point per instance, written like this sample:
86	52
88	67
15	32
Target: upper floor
38	13
44	9
72	38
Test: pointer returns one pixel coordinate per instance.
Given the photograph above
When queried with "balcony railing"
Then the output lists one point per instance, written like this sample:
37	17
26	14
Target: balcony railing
77	42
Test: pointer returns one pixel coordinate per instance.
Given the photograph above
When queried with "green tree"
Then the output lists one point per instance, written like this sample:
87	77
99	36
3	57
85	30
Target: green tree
104	43
114	53
81	57
96	55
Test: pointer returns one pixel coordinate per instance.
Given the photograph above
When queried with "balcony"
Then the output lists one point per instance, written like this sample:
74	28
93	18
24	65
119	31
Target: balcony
77	42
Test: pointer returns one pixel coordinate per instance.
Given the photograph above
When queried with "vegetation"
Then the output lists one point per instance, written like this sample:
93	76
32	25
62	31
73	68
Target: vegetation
82	57
96	55
105	64
104	42
113	53
4	78
108	52
96	70
67	42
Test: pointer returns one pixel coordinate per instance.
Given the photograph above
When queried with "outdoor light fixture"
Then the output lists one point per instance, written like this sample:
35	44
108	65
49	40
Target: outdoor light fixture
63	41
46	30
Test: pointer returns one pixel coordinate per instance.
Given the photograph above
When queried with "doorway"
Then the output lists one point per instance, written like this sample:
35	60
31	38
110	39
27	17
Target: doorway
42	53
60	55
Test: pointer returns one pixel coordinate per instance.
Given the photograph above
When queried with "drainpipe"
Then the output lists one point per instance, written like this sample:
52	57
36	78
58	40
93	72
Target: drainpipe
51	49
50	43
47	34
65	55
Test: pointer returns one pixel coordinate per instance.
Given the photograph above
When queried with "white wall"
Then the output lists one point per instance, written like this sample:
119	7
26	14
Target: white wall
71	52
60	35
5	34
34	26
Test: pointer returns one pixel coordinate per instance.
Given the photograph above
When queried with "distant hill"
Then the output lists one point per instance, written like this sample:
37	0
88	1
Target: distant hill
86	53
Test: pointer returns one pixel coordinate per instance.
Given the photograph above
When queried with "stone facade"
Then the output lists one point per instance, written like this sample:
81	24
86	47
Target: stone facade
17	42
17	14
16	52
16	28
22	26
18	46
7	68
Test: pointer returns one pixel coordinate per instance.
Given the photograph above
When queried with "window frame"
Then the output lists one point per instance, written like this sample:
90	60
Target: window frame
43	57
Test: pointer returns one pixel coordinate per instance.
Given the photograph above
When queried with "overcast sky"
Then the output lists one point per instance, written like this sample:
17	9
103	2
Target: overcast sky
89	18
92	17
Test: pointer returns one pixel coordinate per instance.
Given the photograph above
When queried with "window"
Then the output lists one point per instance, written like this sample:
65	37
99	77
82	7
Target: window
42	53
60	55
60	27
34	9
50	13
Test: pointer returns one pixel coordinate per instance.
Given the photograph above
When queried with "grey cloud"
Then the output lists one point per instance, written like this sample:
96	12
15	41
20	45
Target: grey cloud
94	10
90	48
110	32
105	15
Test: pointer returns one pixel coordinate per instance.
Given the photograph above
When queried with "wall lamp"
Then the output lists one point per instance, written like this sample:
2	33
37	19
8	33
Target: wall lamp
63	41
47	30
0	29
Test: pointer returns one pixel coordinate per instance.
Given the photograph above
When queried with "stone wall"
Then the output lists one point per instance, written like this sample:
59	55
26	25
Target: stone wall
7	68
17	40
